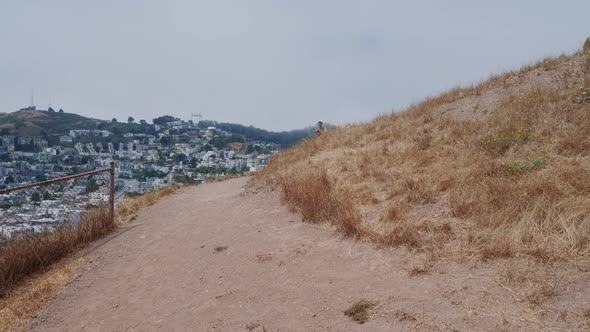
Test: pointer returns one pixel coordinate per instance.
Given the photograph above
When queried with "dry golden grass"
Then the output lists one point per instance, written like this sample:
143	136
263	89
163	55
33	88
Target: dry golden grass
515	182
126	210
31	269
360	311
313	194
529	281
34	292
34	252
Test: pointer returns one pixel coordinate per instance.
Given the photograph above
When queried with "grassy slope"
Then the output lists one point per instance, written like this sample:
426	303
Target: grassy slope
32	123
499	169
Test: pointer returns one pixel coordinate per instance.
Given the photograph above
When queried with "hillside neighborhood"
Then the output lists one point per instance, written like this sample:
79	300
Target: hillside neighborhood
167	152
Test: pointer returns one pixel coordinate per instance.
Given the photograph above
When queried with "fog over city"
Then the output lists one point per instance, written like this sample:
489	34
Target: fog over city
278	65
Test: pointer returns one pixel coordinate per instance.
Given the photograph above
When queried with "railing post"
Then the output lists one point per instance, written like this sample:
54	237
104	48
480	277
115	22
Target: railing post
112	193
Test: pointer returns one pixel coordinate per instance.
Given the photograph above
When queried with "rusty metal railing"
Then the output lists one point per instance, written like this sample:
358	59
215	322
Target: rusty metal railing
42	206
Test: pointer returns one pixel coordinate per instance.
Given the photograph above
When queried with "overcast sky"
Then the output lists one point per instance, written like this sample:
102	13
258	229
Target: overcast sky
278	65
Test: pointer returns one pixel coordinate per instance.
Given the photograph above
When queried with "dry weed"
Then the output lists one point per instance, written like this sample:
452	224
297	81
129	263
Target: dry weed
359	312
34	252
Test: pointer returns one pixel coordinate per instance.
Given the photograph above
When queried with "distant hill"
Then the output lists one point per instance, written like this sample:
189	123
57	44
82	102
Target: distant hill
42	123
284	138
50	125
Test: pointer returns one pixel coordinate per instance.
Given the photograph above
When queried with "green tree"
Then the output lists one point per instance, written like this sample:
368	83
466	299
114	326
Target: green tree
206	148
180	157
164	119
165	140
130	120
193	162
35	197
203	170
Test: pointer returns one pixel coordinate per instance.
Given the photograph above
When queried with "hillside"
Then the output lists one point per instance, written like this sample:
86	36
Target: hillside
492	171
284	138
52	124
36	123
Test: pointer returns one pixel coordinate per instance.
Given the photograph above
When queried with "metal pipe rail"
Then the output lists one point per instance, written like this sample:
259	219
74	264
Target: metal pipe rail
110	170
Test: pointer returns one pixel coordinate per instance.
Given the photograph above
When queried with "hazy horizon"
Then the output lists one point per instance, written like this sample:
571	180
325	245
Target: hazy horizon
276	65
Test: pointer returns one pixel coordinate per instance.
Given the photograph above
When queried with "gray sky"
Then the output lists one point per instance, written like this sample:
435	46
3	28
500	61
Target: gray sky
272	64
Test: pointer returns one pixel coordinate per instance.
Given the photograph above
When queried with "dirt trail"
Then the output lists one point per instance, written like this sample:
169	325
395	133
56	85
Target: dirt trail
270	272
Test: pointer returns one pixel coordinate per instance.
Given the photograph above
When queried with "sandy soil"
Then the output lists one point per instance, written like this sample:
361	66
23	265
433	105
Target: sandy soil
215	258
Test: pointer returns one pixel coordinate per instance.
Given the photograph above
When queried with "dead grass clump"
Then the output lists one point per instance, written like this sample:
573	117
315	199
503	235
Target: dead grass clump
417	191
403	315
395	213
535	284
220	248
313	194
264	257
400	233
126	210
34	252
29	296
420	269
359	312
252	326
540	293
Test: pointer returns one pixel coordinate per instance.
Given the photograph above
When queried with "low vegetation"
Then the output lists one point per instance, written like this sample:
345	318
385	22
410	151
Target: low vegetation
32	267
359	312
220	248
34	252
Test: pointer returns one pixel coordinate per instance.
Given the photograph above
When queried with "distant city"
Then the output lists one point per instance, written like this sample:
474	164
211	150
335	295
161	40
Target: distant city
166	152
